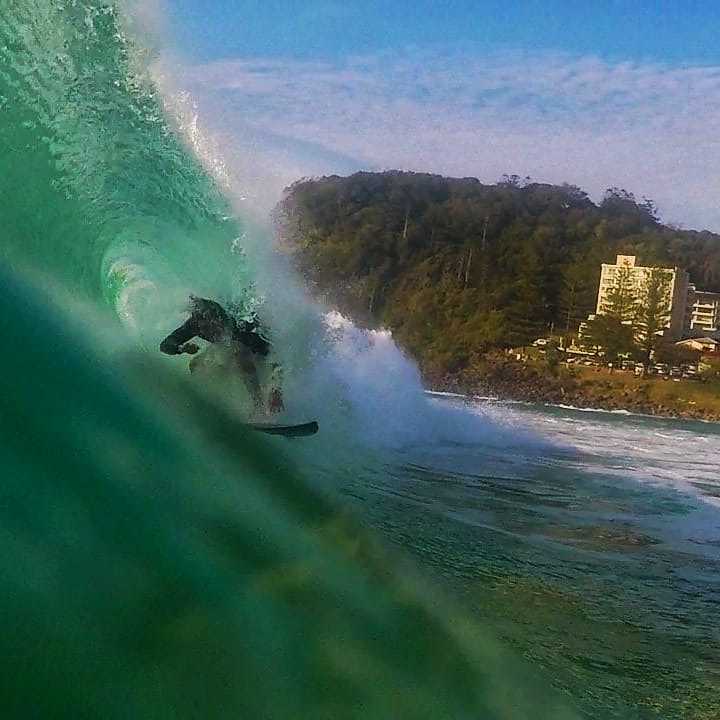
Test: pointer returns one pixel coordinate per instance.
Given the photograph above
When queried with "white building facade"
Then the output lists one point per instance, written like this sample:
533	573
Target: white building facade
678	285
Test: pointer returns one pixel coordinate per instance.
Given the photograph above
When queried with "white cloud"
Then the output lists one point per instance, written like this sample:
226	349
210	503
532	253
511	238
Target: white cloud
649	128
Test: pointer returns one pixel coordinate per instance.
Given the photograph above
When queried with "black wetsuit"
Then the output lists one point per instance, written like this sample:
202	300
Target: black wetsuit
210	321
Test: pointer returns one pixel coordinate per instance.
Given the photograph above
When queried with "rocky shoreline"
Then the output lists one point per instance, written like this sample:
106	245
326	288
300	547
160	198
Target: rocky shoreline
510	380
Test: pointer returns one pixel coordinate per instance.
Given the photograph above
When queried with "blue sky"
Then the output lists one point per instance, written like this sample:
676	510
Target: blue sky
676	31
597	93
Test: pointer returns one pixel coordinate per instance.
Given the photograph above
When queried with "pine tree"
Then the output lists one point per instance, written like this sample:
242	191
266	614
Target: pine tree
621	299
653	310
577	295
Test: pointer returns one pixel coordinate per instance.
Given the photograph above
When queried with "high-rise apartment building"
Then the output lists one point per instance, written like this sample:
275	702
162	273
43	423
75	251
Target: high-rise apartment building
678	285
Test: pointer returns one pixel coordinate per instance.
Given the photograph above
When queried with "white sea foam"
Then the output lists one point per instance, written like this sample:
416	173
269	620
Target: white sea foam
668	453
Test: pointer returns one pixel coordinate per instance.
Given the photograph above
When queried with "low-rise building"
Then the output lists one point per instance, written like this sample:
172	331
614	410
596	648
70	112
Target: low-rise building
702	344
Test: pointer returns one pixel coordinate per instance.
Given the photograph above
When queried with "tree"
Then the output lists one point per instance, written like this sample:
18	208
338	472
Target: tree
514	180
653	310
621	298
672	354
525	306
619	201
610	335
577	295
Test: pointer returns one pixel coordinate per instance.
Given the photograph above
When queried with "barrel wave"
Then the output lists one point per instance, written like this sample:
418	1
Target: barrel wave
159	559
98	192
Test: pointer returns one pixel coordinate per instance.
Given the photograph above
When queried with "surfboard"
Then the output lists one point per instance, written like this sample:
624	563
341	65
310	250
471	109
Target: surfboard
292	431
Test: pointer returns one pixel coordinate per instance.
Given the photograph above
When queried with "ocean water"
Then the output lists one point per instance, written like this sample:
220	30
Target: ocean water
419	558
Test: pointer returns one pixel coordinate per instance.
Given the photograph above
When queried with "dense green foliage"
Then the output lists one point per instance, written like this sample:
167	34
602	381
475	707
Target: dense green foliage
455	267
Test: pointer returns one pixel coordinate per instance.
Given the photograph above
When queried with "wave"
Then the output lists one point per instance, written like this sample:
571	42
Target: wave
133	207
173	562
167	550
594	410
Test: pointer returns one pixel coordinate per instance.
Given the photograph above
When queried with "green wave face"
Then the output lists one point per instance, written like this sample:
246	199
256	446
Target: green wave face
97	190
157	561
173	565
160	560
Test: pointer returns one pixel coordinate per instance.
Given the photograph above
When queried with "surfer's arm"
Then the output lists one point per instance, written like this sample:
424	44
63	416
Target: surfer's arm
173	343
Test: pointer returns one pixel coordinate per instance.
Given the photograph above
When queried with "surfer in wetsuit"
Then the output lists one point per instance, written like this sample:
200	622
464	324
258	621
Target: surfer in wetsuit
242	339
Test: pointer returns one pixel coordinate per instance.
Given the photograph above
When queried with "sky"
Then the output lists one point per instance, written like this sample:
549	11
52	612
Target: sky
677	31
597	94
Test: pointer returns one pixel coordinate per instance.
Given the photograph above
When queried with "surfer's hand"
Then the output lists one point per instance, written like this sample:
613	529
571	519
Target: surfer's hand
276	401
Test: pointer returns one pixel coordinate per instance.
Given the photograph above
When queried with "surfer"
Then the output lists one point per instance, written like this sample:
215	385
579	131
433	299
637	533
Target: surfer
241	341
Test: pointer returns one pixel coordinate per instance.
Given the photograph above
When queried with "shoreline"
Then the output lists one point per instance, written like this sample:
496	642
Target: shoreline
622	412
583	389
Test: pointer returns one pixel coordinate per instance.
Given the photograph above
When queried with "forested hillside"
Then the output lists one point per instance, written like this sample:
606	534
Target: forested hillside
456	267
